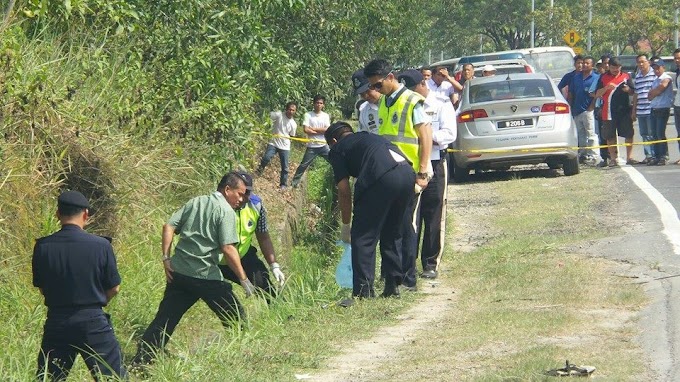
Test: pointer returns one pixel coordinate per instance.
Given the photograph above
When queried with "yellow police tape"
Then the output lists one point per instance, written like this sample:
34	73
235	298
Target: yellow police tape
547	149
305	140
516	150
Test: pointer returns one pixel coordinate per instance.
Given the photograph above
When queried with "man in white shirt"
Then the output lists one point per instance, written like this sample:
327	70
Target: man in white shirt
443	84
283	127
368	111
432	215
315	124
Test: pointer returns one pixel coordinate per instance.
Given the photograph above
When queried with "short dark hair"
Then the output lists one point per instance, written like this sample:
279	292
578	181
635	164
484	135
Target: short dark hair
232	179
336	130
425	68
291	103
468	64
67	210
589	58
578	57
319	97
377	67
643	55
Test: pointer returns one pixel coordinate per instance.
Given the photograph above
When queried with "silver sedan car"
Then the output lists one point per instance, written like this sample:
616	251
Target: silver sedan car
513	119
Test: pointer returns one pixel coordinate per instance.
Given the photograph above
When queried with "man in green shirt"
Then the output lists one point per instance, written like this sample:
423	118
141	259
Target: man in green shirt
207	231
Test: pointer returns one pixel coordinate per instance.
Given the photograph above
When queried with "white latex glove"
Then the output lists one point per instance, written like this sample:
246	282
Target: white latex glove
344	233
276	271
248	287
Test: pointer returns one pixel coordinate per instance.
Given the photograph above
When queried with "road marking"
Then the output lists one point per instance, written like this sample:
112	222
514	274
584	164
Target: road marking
669	216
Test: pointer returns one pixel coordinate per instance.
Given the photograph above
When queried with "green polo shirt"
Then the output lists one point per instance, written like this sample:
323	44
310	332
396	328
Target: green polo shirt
204	225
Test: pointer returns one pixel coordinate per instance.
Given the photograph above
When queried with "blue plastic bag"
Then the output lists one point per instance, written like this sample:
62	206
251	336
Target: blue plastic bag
344	273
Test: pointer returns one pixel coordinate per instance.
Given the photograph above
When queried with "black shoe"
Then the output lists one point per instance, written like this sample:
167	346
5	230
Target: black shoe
391	288
409	288
602	164
653	162
429	274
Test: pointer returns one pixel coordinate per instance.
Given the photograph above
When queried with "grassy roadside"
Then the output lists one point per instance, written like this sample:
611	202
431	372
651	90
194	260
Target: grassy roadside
525	303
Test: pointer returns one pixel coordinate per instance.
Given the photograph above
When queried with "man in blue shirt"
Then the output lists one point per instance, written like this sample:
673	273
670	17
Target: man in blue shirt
566	80
580	100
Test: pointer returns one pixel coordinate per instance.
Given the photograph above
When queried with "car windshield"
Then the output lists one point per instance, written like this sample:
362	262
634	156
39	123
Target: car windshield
490	57
555	64
512	89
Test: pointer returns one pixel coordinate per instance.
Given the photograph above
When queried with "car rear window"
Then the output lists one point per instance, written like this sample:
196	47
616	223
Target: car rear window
501	70
512	89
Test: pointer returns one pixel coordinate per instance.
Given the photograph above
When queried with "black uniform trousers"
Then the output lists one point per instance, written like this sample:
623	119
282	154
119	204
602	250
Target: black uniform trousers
256	271
432	220
180	295
378	215
88	332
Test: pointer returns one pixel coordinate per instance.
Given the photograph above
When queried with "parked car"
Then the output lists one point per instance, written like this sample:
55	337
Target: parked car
513	119
518	65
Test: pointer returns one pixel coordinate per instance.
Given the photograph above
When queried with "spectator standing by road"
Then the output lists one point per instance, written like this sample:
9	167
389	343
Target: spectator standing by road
614	89
77	274
426	72
384	185
563	85
368	111
315	124
488	70
676	101
283	127
403	121
467	73
207	230
642	108
443	84
661	100
252	221
581	99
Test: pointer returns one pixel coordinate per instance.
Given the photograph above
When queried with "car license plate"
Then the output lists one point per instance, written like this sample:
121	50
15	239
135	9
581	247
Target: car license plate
515	123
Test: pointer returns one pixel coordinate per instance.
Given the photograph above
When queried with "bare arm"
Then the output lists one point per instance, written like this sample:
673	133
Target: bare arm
166	243
111	293
233	260
633	111
345	200
266	246
424	131
653	93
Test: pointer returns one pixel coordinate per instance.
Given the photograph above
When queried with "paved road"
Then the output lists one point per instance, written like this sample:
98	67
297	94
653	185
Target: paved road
651	198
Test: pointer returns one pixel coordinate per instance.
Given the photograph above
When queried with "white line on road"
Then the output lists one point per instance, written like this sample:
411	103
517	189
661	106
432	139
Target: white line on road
669	216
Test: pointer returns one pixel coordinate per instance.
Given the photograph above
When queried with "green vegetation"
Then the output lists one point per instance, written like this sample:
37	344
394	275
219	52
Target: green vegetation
141	105
528	299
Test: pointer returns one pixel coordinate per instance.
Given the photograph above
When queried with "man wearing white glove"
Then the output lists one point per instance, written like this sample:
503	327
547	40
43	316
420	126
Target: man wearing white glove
192	273
383	188
252	221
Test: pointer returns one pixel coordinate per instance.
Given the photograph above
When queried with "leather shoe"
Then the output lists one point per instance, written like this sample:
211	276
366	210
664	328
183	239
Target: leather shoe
429	274
391	289
410	288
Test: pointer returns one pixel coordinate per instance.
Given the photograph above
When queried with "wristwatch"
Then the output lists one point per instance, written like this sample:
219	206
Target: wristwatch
424	175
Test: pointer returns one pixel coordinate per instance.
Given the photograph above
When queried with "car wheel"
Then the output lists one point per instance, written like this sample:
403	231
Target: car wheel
460	174
570	167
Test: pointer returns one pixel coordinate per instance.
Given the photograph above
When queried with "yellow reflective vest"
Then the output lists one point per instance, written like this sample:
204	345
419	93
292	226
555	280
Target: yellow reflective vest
396	124
246	223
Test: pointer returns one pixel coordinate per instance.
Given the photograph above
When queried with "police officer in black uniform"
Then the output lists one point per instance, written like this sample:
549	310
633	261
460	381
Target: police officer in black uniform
382	192
77	274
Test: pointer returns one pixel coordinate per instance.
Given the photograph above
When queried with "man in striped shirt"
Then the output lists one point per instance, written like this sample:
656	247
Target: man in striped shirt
642	108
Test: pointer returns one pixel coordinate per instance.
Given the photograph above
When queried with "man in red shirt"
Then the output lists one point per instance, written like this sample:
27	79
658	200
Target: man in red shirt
613	87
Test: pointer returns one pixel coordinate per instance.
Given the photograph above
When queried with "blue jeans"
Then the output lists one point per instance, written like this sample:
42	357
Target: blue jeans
676	116
310	154
645	124
659	121
283	158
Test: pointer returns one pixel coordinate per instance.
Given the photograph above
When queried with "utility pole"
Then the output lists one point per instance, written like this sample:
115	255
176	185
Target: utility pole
590	21
532	23
552	4
676	29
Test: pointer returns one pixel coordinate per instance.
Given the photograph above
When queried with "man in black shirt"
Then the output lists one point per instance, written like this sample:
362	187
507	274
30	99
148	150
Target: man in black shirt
77	273
383	190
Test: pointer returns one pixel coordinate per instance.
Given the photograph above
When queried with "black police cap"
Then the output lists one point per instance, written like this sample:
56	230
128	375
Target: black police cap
73	198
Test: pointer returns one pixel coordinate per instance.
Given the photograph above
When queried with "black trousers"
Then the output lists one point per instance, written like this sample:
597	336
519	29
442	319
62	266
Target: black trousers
87	332
180	295
256	271
379	215
432	221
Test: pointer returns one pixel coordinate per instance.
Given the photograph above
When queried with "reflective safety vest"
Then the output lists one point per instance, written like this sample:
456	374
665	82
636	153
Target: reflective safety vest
246	223
396	124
